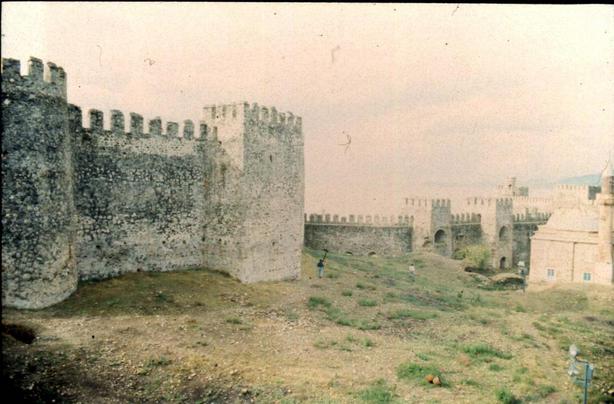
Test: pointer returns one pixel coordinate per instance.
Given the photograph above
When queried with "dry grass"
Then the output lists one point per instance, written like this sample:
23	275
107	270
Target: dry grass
366	333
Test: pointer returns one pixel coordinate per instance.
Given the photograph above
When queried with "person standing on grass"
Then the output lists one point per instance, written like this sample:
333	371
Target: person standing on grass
321	267
412	271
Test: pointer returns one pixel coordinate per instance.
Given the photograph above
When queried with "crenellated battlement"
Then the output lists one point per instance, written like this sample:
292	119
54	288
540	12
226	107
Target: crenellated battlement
243	112
540	217
425	203
466	218
120	192
360	220
42	79
116	126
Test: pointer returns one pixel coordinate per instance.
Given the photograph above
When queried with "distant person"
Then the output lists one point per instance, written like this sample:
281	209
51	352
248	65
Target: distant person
412	271
321	268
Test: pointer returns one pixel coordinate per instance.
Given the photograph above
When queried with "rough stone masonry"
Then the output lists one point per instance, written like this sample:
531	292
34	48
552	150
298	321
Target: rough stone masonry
226	192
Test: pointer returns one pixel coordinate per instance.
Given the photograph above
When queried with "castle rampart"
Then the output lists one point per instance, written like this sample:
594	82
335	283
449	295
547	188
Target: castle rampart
427	224
378	234
225	192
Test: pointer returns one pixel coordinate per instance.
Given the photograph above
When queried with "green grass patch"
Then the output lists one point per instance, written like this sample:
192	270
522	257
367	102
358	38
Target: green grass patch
406	313
347	293
364	286
418	372
378	392
484	352
367	303
505	396
495	367
317	301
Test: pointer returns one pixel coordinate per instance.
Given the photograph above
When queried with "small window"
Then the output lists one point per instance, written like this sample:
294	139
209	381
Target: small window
550	274
586	277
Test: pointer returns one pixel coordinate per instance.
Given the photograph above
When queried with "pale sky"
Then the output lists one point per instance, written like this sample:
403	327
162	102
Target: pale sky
430	94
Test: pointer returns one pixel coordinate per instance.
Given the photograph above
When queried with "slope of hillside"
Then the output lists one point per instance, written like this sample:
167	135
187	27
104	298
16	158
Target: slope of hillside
367	332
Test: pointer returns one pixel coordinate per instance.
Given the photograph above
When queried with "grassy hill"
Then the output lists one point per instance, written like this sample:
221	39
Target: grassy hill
367	332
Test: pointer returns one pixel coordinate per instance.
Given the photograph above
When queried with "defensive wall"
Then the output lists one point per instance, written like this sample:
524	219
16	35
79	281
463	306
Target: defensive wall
224	192
427	225
358	234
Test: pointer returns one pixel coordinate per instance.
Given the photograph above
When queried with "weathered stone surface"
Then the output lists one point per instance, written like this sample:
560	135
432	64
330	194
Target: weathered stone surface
93	203
359	240
38	216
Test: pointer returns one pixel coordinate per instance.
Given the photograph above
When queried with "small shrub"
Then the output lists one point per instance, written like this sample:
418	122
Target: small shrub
347	293
234	320
520	309
477	256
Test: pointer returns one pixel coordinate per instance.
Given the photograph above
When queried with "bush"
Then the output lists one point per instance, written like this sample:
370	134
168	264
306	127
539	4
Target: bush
477	256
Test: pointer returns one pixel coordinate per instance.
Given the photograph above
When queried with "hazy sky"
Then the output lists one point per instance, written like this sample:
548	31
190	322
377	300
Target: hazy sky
428	93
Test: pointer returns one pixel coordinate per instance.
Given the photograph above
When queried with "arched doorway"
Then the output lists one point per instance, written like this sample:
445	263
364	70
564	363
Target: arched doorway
441	242
502	263
504	233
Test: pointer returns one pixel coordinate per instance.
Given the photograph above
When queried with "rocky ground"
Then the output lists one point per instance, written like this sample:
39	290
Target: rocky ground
367	332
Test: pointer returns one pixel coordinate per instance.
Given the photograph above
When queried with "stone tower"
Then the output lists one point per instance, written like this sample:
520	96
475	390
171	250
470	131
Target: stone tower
255	193
432	224
604	271
497	220
38	246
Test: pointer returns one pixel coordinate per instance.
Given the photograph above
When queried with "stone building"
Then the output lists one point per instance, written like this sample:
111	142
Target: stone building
576	244
225	192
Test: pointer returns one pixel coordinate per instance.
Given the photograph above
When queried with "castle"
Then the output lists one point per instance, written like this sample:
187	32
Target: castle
225	192
430	225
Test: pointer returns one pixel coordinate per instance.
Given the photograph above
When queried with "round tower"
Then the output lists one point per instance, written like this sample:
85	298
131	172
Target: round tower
38	265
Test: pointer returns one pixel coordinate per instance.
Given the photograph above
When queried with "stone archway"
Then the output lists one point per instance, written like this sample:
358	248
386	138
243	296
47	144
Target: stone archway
503	263
441	242
504	233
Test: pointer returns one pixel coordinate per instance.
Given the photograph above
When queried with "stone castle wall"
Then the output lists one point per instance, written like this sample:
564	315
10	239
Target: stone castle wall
138	196
392	238
38	215
434	229
92	202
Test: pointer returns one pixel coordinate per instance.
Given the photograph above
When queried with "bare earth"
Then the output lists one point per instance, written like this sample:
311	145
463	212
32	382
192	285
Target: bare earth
367	332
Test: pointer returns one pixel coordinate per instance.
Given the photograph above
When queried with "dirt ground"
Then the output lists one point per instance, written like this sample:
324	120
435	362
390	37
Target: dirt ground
367	332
